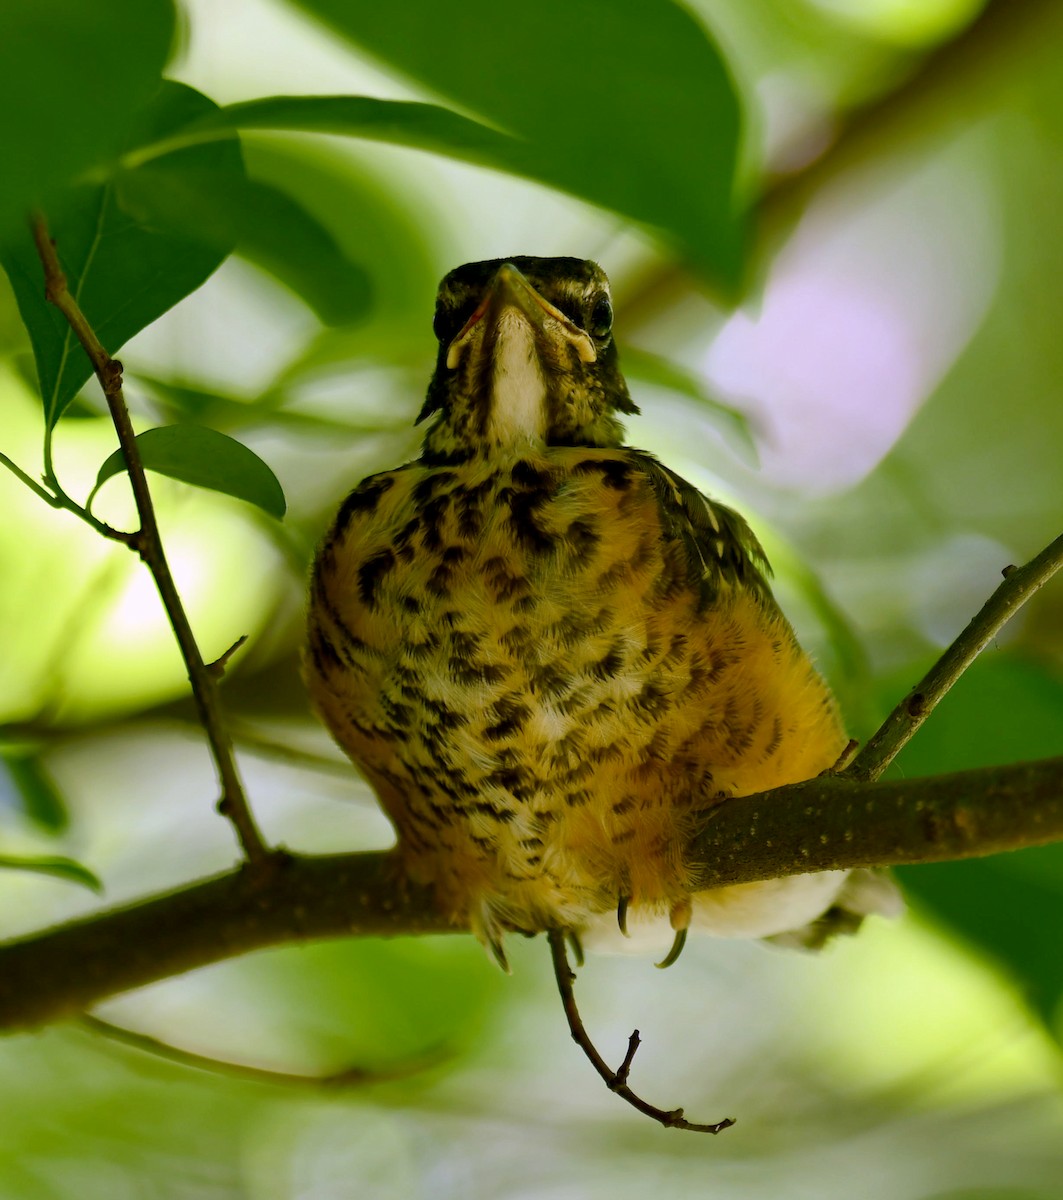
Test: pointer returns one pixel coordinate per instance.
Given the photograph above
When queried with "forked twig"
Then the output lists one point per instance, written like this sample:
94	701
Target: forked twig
148	544
615	1081
893	734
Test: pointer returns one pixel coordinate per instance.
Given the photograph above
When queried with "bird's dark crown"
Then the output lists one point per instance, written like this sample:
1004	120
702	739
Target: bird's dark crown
574	386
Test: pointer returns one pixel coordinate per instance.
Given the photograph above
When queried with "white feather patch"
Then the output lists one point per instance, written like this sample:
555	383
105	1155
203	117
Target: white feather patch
518	394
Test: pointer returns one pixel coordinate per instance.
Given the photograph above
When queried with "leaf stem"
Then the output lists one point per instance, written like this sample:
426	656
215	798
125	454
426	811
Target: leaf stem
54	496
41	492
148	544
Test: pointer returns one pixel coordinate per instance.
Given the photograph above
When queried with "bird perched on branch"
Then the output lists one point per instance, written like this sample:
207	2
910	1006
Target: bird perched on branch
550	655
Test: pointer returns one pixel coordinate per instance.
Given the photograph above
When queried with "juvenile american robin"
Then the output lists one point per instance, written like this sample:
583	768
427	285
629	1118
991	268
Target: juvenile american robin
550	655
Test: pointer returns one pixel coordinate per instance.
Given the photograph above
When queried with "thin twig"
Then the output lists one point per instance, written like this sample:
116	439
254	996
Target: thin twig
220	665
615	1081
347	1077
41	492
59	499
233	803
1019	585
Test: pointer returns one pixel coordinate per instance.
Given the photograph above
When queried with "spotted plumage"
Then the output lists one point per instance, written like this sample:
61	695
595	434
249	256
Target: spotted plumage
547	652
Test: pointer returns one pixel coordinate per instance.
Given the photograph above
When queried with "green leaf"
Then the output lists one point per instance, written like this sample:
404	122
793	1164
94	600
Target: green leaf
664	154
388	234
397	122
632	108
61	868
380	226
124	271
1004	709
24	778
626	103
266	226
371	1001
74	78
206	459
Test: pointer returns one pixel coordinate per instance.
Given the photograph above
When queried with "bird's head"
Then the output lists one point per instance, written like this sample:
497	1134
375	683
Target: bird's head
526	356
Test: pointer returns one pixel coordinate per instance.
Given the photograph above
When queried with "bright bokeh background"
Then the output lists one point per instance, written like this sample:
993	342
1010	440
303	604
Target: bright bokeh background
897	362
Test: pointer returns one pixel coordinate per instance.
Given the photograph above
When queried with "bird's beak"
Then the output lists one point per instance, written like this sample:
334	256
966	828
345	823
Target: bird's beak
509	289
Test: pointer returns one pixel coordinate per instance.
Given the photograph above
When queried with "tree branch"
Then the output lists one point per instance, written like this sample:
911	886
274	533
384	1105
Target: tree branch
834	823
147	542
826	823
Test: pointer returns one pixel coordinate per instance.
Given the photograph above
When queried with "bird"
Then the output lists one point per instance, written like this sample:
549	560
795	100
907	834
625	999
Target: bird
551	656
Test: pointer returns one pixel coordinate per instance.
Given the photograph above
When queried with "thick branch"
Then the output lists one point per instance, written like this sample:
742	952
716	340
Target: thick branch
830	822
834	822
57	974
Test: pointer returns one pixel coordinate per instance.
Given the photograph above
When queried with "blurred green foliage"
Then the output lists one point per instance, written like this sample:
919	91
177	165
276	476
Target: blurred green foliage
702	143
1004	709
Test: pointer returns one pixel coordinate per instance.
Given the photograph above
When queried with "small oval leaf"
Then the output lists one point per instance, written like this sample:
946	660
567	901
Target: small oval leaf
207	459
61	868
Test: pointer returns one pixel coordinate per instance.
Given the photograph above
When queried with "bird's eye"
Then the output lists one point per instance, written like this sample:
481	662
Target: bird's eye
441	323
601	318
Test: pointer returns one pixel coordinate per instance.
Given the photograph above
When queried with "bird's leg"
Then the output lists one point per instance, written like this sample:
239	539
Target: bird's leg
575	945
489	933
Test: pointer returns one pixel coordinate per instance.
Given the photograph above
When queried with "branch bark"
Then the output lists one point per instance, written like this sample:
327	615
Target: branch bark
826	823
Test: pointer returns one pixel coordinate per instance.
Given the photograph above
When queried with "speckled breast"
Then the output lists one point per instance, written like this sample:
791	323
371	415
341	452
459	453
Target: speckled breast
516	657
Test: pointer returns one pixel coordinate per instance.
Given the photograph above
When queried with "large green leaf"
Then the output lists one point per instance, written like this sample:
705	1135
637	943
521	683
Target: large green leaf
1004	709
207	459
627	103
263	223
124	271
399	122
634	110
74	78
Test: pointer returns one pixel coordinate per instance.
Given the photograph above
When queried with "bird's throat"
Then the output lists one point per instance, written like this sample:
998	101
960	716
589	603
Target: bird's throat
518	386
